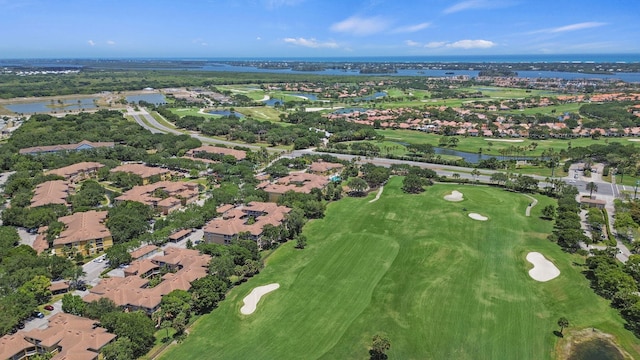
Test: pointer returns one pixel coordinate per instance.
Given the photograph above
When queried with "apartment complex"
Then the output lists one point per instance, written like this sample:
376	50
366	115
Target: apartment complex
300	182
49	193
165	196
84	233
249	218
147	173
77	172
83	145
67	337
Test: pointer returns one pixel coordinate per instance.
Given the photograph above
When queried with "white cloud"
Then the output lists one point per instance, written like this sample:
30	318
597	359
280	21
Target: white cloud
579	26
310	43
435	44
571	27
91	42
361	26
461	44
111	42
258	38
412	28
272	4
475	4
472	44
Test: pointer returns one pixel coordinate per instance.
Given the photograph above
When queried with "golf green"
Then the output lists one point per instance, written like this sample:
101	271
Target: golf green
417	269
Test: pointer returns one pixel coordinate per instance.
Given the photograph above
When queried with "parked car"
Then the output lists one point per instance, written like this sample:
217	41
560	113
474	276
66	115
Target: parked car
38	314
48	307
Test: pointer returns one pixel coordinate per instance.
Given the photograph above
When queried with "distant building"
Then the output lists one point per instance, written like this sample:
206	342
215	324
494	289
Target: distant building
67	337
325	168
209	149
85	232
77	172
165	196
83	145
144	171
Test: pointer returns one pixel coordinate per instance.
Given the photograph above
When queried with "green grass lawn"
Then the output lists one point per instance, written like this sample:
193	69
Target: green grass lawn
491	146
417	269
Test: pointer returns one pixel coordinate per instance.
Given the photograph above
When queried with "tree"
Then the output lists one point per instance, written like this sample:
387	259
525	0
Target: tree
548	212
563	323
379	347
128	220
412	184
592	187
301	241
357	186
136	326
456	176
97	308
206	292
74	274
475	173
176	308
38	286
121	349
117	255
73	304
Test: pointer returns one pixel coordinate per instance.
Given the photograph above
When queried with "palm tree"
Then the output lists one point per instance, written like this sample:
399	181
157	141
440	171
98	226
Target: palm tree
592	187
563	323
456	176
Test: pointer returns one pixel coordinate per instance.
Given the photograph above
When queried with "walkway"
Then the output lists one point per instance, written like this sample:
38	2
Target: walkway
533	203
377	195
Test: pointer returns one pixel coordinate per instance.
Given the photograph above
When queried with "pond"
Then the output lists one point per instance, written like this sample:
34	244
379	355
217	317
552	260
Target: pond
595	349
272	102
155	98
53	106
377	95
225	113
349	110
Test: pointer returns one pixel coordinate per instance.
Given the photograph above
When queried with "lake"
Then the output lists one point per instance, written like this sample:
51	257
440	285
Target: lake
155	98
55	106
311	97
225	113
595	349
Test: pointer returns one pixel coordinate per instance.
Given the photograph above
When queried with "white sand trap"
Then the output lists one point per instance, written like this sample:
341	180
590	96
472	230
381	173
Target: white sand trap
505	140
251	300
454	196
479	217
543	269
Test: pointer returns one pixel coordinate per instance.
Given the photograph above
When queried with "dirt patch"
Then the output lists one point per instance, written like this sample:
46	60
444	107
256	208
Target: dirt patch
566	348
505	140
454	196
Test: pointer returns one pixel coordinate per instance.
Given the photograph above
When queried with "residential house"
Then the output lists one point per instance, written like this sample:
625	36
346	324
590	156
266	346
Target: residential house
84	233
77	172
147	173
83	145
67	337
250	218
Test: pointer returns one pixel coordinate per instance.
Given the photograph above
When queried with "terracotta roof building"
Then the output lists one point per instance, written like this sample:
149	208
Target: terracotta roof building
299	182
83	145
68	337
166	196
84	231
144	171
132	293
325	168
209	149
77	172
50	192
250	218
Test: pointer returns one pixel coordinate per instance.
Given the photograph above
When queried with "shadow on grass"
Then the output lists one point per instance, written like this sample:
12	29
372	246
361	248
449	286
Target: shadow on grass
374	355
558	333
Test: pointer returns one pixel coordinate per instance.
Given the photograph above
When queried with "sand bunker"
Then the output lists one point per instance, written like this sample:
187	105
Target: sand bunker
454	196
543	269
479	217
505	140
251	300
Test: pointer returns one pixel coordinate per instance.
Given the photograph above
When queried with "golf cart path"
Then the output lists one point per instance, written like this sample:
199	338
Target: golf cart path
533	203
377	195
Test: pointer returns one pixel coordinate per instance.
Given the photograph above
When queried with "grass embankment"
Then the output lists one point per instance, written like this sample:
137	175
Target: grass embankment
417	269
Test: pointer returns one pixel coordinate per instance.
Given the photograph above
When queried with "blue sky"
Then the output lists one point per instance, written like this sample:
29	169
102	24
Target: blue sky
318	28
